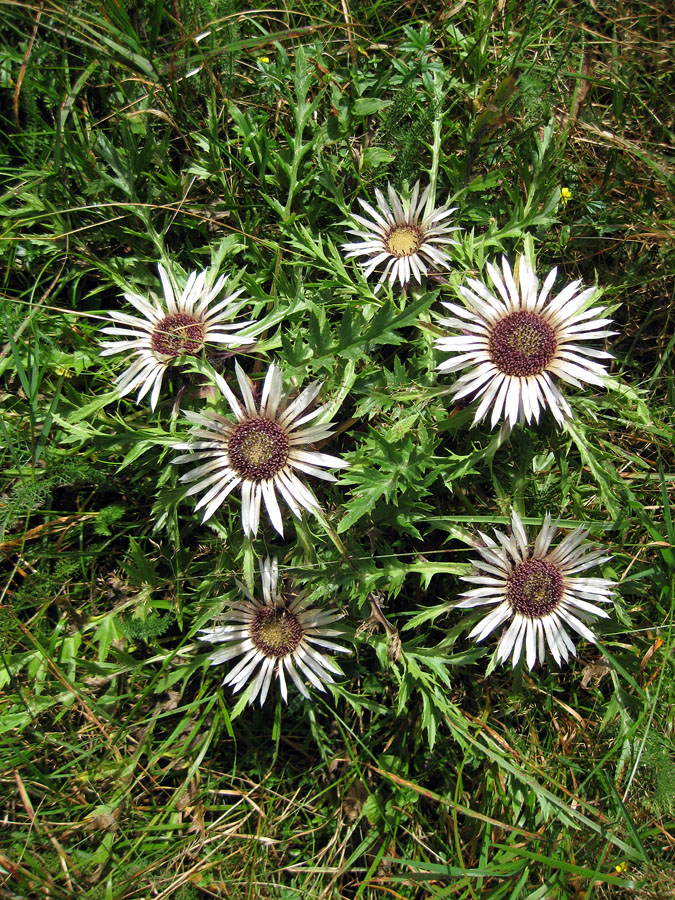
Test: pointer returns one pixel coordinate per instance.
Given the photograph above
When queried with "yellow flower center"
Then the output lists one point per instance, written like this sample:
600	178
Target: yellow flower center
525	339
404	240
275	632
257	447
537	587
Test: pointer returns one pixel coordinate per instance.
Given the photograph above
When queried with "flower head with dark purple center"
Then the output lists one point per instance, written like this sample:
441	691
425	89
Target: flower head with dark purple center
262	451
537	590
276	637
174	327
514	340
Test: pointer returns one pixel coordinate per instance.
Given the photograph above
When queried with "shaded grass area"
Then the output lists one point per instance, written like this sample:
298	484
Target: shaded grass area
203	133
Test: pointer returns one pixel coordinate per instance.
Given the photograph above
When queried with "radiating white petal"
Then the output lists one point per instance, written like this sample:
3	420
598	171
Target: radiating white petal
300	404
498	615
271	393
531	644
272	506
544	538
297	681
506	643
550	631
519	531
246	392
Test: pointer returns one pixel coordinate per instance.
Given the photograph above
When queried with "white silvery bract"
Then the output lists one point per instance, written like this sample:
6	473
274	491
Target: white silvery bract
536	590
275	637
171	327
514	339
262	451
400	237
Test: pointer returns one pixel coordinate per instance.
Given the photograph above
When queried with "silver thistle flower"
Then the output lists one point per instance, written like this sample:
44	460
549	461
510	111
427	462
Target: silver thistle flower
512	341
170	328
537	590
397	237
262	451
275	637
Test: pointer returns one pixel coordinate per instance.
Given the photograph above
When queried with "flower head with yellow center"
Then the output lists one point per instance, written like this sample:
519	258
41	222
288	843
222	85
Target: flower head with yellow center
171	328
262	451
277	636
515	339
401	237
537	590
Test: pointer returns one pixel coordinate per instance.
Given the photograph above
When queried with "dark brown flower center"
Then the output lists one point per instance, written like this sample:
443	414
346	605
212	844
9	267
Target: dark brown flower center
258	449
177	335
275	632
404	240
535	588
522	343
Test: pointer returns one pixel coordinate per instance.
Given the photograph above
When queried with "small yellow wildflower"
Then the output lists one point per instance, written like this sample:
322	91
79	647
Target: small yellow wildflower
565	194
622	868
263	59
